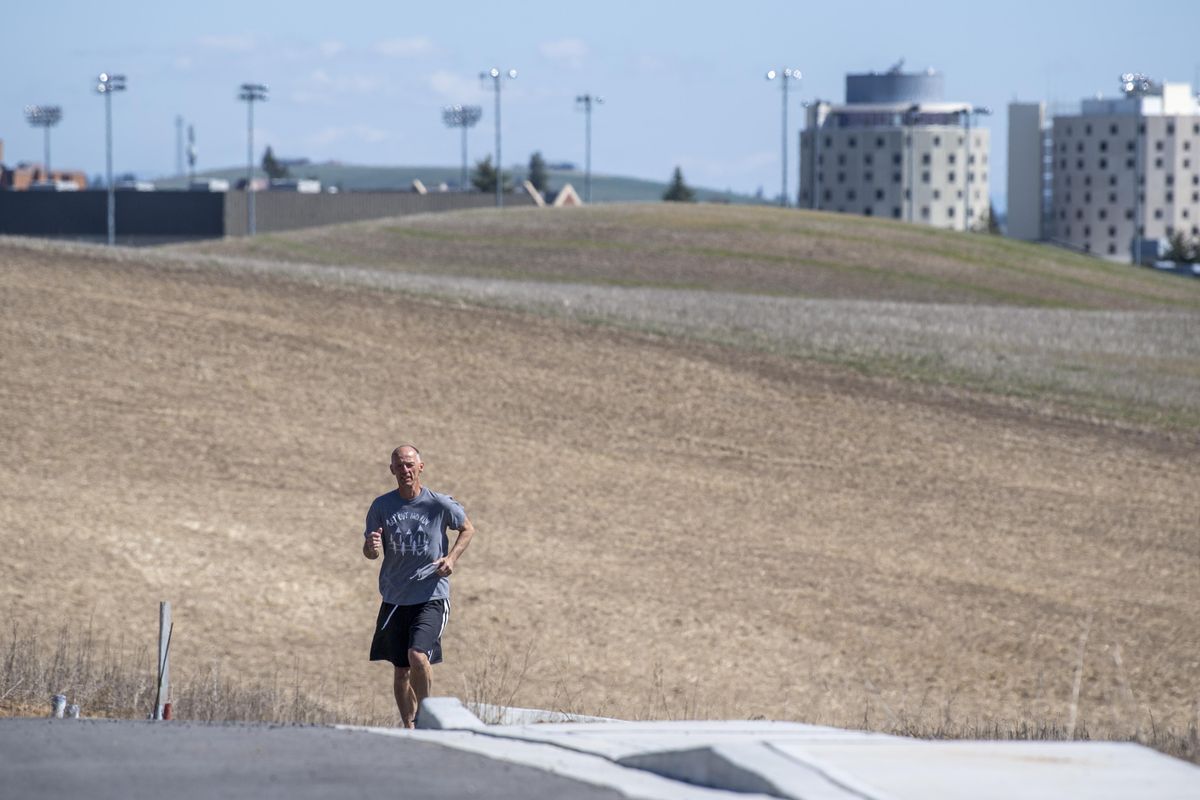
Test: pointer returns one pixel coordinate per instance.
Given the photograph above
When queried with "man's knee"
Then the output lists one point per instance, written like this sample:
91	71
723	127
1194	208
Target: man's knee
401	674
418	658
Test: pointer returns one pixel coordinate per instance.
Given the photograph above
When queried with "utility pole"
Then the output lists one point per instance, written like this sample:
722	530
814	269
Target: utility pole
251	92
586	101
106	86
495	74
784	75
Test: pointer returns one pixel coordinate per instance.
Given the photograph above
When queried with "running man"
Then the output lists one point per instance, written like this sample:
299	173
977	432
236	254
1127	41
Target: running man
408	526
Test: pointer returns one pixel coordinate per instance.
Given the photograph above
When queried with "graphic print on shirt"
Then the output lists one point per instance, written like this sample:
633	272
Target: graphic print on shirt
406	533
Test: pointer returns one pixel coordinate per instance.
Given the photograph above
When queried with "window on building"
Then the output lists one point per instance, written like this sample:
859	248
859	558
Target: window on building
897	159
1087	180
829	141
1104	163
1170	229
924	212
1158	213
896	212
1158	145
908	194
1062	164
1112	180
1184	213
1112	248
1196	128
1087	230
1079	213
1079	147
950	212
1103	214
1062	148
1141	127
852	142
1170	197
937	141
841	159
828	195
1068	197
1187	163
879	141
950	177
937	194
1087	197
1129	213
879	194
851	195
821	160
1062	214
1129	163
895	177
1196	197
1158	163
925	158
867	211
1130	146
1187	145
1170	179
868	177
950	158
1112	129
1087	129
841	177
1068	130
1087	247
1170	129
868	158
1112	230
1104	146
1112	197
1196	180
1079	164
925	176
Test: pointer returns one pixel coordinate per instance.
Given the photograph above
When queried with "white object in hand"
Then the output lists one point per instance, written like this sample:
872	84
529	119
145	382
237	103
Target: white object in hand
424	572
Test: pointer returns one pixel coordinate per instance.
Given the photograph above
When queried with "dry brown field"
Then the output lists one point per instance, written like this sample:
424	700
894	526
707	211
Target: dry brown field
668	525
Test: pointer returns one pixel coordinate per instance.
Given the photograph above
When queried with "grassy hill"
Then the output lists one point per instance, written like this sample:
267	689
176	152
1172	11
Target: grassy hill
724	462
355	177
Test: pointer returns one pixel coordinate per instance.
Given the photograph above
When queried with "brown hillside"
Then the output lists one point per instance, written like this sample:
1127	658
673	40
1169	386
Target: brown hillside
667	528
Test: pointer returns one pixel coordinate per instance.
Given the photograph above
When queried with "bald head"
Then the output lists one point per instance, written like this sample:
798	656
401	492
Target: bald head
407	449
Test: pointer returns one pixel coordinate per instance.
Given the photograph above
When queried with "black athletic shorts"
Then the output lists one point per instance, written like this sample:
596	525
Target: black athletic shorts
401	628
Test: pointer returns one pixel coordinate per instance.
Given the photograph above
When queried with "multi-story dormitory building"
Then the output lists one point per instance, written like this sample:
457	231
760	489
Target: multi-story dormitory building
1124	173
896	150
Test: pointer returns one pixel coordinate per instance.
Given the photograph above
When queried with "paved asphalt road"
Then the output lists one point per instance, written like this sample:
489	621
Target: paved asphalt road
100	759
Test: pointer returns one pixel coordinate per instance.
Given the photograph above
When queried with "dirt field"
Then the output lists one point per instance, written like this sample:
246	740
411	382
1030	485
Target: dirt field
666	528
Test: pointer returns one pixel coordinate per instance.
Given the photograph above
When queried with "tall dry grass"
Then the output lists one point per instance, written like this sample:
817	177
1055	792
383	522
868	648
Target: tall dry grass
117	680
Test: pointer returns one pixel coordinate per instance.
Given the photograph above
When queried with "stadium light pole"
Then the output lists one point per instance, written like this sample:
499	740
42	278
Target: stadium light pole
191	153
44	117
495	76
968	114
106	86
586	101
784	75
251	92
462	117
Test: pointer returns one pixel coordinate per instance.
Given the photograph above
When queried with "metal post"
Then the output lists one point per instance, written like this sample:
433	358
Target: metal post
499	161
587	158
250	168
783	198
462	185
495	74
250	92
164	654
108	175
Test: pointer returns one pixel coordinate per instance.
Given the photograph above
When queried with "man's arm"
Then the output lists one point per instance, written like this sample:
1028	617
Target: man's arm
373	544
465	533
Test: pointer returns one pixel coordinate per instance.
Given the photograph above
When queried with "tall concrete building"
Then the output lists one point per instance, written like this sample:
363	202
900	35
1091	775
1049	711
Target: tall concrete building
1028	187
896	149
1125	170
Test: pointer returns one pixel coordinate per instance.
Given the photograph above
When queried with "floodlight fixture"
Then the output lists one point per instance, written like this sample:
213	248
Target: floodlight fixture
494	75
251	93
784	76
44	117
586	101
106	84
462	117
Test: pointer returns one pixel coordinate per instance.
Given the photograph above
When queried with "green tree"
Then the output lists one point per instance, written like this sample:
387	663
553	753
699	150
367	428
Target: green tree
272	167
1178	250
484	177
537	171
678	191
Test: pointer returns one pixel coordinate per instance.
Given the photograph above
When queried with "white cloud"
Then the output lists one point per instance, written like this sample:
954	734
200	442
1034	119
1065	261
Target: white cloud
455	88
405	47
331	48
571	52
231	43
351	133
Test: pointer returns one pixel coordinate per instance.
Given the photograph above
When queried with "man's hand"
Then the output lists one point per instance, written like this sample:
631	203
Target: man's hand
373	544
445	567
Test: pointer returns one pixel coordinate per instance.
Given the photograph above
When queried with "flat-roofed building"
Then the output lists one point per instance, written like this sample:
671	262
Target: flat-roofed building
1127	170
895	149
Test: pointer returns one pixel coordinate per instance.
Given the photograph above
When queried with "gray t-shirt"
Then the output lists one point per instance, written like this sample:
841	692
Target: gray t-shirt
414	535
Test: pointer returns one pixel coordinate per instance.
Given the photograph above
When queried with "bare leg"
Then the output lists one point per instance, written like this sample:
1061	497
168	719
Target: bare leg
421	675
406	701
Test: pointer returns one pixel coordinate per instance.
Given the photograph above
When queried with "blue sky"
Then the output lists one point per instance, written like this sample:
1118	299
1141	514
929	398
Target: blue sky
364	81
